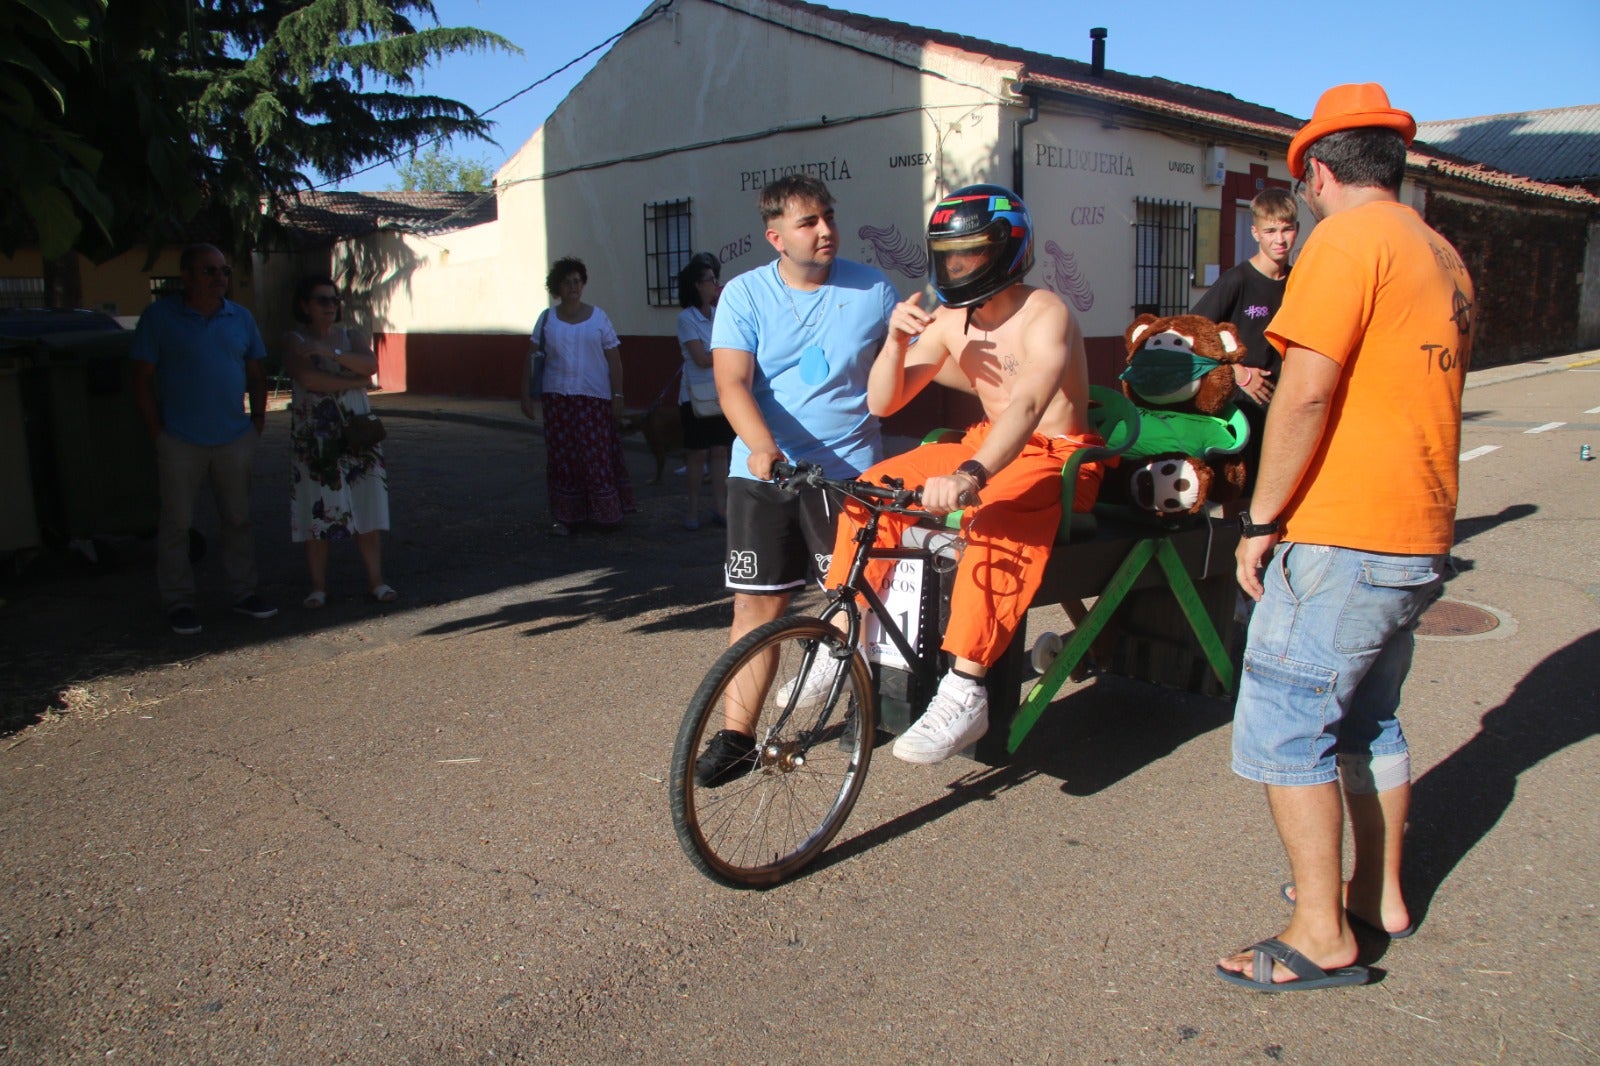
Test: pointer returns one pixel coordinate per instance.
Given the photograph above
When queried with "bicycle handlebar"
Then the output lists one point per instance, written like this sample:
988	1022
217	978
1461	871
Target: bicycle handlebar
887	496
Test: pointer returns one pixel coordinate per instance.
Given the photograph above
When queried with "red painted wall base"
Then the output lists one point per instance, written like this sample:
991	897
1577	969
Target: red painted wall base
490	364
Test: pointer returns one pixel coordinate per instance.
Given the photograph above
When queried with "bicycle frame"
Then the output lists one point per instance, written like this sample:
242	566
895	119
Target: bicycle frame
845	597
763	816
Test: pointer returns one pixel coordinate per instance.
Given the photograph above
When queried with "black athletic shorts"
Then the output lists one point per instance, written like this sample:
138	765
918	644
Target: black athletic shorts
775	536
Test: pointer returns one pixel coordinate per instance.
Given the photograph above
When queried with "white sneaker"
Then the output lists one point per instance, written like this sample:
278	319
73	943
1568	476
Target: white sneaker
957	716
824	668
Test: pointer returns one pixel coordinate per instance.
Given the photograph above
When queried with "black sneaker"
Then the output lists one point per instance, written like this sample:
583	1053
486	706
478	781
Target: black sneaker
184	621
255	607
727	756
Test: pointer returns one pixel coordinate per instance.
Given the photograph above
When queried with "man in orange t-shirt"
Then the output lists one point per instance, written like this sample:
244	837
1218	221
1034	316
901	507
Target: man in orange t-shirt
1345	543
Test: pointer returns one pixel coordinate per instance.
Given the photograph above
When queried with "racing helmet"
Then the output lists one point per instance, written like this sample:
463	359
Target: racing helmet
980	239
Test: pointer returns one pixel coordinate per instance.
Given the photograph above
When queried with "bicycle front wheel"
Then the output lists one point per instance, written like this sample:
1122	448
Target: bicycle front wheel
814	723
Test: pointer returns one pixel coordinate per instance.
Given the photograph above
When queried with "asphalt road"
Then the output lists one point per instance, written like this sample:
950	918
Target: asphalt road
438	832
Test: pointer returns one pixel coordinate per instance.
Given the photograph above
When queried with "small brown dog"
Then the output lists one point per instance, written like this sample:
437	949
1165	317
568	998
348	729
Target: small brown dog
663	432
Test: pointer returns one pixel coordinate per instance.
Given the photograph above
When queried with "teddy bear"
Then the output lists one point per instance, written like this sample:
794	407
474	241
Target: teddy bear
1191	434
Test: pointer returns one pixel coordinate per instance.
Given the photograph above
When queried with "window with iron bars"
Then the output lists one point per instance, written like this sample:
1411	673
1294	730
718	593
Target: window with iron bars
667	249
168	285
22	292
1161	271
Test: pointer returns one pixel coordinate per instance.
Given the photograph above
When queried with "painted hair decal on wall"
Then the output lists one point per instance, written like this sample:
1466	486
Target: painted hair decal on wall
1065	278
890	250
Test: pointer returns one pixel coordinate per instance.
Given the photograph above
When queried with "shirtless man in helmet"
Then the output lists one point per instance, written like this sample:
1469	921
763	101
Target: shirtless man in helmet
1020	350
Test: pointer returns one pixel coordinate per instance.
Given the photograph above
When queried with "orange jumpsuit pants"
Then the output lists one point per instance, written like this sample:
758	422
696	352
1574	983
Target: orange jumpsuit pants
1008	536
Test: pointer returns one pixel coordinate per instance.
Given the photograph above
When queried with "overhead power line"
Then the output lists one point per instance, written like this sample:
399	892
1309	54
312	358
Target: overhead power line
659	9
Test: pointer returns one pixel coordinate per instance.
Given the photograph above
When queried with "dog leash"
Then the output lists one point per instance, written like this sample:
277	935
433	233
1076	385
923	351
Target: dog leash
669	387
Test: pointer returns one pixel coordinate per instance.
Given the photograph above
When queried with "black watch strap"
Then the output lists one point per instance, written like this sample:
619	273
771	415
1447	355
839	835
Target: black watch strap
975	470
1249	528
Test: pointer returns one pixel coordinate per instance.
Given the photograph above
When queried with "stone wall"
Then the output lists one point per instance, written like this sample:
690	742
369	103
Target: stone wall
1527	269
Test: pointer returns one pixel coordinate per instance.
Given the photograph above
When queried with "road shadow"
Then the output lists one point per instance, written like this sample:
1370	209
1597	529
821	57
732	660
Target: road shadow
1467	528
979	784
1088	740
1097	734
614	595
1456	803
468	519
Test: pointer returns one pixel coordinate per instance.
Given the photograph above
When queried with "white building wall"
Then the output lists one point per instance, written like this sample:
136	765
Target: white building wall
1081	182
711	109
430	283
708	108
716	100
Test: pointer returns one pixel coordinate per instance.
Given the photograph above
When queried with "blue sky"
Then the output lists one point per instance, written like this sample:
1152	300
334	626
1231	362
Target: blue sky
1438	60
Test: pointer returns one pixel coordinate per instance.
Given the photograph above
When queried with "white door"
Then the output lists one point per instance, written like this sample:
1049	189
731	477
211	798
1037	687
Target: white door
1244	245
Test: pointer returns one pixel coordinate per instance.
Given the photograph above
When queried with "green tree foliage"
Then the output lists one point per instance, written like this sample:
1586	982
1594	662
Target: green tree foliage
125	120
76	108
431	169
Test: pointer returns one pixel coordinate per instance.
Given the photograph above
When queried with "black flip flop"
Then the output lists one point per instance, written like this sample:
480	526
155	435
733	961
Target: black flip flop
1308	975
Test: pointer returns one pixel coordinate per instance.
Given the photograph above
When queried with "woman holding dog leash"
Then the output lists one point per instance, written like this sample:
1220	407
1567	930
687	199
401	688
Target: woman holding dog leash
581	386
706	433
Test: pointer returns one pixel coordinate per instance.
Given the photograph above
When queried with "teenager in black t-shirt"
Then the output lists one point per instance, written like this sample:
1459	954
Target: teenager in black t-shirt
1248	295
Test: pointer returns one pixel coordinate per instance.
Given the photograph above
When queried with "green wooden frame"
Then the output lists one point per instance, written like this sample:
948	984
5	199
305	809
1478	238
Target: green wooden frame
1116	590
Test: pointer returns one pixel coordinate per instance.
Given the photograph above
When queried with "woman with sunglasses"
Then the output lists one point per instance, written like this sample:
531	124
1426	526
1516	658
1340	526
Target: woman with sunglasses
339	493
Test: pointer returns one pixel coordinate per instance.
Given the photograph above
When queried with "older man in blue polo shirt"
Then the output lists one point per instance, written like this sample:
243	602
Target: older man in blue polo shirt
195	357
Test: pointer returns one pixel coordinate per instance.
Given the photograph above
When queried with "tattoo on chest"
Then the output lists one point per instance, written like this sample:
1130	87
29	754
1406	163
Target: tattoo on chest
1009	365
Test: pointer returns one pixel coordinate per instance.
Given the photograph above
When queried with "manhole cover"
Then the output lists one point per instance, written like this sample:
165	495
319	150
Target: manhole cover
1448	618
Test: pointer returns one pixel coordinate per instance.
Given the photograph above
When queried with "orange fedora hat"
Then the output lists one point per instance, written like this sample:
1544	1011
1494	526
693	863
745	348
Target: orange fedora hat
1348	107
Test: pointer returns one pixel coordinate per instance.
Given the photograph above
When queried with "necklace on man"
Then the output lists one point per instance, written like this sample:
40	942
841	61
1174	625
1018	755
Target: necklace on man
812	312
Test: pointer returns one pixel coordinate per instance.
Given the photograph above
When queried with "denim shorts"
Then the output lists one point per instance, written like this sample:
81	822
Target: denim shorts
1330	645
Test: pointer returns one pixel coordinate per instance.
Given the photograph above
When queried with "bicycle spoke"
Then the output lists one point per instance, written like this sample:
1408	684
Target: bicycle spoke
756	827
752	829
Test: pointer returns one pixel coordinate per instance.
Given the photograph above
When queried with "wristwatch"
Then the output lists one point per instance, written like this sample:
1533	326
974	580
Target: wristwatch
1250	529
975	470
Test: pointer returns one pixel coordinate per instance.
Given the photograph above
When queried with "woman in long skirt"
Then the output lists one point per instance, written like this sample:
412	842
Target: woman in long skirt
585	474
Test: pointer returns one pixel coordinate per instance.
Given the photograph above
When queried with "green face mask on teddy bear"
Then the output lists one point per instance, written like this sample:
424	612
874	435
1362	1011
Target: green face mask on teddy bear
1179	375
1162	373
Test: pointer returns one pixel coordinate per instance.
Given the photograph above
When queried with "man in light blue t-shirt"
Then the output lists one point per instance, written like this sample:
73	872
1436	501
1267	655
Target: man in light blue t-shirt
792	343
195	358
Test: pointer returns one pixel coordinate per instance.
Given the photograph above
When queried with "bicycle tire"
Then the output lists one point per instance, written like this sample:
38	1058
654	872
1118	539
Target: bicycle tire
765	825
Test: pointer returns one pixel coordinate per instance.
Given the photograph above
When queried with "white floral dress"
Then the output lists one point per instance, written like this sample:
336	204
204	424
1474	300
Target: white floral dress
336	493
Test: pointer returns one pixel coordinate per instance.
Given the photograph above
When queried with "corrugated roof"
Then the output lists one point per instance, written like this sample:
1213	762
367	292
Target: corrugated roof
336	215
1558	145
1054	74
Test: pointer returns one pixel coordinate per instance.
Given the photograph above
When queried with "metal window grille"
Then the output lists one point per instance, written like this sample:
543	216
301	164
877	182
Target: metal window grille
667	248
169	285
22	292
1161	256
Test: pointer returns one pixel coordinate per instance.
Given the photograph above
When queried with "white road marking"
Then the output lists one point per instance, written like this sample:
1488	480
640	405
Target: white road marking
1545	428
1467	457
1593	411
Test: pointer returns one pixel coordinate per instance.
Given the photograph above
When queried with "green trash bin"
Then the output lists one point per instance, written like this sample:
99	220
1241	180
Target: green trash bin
19	520
93	463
